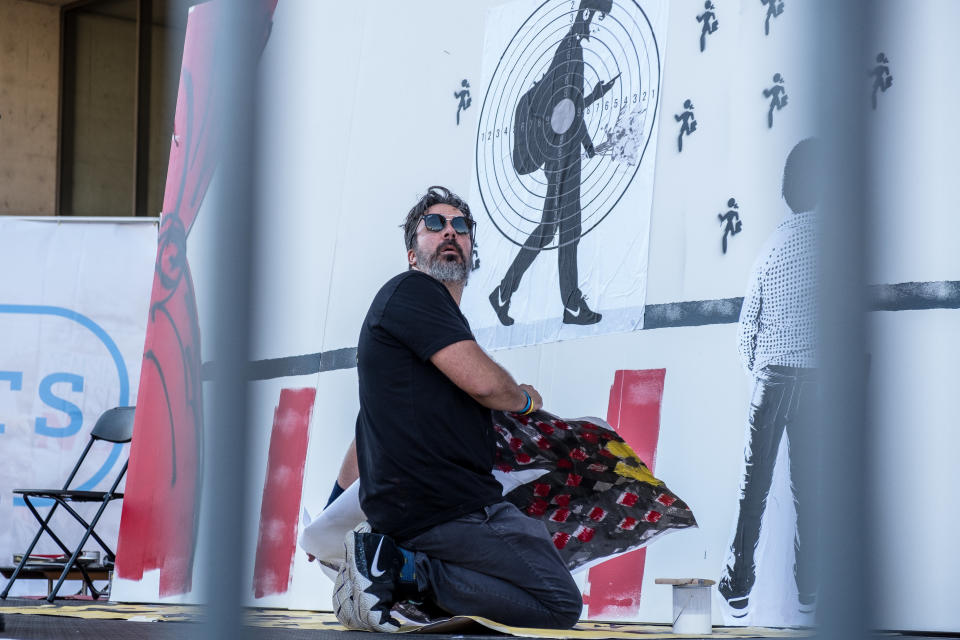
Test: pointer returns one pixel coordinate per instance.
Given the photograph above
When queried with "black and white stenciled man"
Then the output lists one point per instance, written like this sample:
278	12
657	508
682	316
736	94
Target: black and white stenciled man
777	339
550	133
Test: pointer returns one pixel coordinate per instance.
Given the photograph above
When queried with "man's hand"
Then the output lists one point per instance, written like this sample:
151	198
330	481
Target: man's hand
536	402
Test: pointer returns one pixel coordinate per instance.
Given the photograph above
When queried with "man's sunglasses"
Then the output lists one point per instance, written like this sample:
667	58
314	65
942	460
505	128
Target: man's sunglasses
436	222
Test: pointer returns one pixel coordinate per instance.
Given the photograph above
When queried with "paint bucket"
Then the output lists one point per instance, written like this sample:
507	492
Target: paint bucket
691	609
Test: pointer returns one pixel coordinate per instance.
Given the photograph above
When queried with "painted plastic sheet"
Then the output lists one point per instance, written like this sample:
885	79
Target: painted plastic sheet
596	497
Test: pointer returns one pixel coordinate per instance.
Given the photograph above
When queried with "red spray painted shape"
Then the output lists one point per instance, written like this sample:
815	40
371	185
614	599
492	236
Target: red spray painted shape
634	412
158	525
282	489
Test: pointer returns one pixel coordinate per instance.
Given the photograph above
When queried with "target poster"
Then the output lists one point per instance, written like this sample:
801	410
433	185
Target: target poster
564	167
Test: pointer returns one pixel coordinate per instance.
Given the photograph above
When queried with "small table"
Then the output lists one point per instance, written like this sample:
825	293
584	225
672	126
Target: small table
51	571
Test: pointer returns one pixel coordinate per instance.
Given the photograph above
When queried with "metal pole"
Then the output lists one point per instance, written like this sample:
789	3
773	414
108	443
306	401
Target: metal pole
844	583
224	558
142	109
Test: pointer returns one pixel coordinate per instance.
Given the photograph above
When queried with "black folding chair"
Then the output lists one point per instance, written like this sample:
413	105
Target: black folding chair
115	426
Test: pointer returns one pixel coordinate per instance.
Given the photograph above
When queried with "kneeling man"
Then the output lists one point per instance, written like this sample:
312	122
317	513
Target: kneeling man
439	529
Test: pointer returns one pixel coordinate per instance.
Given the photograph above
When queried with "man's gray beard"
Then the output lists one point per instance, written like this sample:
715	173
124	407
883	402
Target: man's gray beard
444	270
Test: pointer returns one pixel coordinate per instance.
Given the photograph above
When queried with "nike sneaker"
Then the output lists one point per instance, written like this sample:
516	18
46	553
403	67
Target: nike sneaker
418	613
373	567
501	306
343	605
580	313
737	596
807	602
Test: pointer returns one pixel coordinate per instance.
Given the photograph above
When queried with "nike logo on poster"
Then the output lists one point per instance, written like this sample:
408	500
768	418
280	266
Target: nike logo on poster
375	571
576	313
500	297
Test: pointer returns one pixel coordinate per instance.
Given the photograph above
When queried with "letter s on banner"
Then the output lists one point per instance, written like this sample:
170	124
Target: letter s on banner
60	404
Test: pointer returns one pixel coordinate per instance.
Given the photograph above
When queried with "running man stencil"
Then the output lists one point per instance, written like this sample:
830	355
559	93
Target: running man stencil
709	21
882	79
565	139
688	124
778	97
730	221
774	9
464	97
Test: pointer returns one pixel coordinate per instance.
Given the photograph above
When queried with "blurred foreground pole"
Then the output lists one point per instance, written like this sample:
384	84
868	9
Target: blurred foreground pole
842	57
223	558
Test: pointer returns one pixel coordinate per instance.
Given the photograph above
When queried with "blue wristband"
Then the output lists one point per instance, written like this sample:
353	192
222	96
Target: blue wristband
527	405
336	493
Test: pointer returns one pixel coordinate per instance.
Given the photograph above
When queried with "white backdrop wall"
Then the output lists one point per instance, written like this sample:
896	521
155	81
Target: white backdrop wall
358	118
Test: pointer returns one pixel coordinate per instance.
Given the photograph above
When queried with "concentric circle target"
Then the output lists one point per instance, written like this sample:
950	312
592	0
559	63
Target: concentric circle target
528	171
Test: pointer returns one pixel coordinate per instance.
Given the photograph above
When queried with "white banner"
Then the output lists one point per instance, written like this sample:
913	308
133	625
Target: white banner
73	310
564	166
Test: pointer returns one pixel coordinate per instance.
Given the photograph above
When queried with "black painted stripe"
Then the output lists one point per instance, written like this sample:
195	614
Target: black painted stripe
905	296
694	313
915	296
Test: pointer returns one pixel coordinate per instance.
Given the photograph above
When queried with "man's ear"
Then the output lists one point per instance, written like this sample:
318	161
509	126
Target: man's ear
412	257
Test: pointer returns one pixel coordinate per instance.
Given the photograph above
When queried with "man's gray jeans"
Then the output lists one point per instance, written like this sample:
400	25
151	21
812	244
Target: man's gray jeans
499	564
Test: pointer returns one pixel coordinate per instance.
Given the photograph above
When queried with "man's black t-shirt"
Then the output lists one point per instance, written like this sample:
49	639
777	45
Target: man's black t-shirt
424	446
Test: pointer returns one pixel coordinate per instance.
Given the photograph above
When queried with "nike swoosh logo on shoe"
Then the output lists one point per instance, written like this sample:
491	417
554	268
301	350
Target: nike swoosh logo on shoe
575	314
500	299
375	571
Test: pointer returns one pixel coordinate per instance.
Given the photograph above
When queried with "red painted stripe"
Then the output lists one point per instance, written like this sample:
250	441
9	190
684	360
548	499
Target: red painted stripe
280	507
634	412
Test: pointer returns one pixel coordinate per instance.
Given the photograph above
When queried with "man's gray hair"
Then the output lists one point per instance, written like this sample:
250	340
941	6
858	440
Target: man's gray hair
434	195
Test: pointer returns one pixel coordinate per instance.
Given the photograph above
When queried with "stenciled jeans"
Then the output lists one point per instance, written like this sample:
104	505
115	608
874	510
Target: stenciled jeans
499	564
784	399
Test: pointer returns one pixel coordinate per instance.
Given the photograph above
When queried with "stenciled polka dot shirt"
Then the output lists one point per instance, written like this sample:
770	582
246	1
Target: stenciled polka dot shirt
779	314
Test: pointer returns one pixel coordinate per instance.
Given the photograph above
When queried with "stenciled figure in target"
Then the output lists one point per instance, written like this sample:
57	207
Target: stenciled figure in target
550	133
